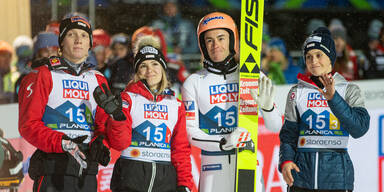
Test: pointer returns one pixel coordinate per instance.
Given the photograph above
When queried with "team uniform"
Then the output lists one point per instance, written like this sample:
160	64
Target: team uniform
211	102
316	131
56	102
155	150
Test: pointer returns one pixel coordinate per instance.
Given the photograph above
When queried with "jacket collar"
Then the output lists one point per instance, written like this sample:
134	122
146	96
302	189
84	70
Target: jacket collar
305	79
142	89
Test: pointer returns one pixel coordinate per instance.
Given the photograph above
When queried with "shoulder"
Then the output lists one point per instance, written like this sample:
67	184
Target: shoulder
96	72
292	94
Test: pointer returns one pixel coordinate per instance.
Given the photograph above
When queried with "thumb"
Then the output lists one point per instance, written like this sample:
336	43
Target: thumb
80	139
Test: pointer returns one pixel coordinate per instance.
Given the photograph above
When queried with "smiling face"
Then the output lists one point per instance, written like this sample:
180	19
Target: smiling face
152	72
317	62
217	44
76	45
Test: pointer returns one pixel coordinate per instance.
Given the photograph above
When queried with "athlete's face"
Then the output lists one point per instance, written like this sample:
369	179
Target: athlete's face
217	44
151	71
76	45
317	62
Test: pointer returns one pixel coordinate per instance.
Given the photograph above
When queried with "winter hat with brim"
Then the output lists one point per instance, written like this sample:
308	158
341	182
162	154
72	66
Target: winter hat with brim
74	22
321	39
149	53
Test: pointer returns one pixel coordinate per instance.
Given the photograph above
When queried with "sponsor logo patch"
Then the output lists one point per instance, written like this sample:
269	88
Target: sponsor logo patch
154	111
316	99
224	93
75	89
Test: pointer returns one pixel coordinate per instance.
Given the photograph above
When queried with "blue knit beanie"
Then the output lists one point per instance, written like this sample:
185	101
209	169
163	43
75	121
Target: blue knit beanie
321	39
45	40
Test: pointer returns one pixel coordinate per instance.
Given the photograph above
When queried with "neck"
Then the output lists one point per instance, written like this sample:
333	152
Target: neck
154	89
75	61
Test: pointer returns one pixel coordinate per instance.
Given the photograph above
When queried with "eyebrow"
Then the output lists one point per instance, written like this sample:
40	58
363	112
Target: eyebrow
218	36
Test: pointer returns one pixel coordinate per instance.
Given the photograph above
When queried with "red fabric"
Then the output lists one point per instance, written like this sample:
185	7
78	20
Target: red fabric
285	162
33	98
181	150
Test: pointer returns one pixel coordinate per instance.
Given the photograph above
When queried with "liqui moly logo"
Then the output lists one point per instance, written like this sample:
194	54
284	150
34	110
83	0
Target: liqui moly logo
153	111
224	93
75	89
316	100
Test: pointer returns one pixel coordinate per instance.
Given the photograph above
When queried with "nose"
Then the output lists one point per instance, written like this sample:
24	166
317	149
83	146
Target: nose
77	39
215	44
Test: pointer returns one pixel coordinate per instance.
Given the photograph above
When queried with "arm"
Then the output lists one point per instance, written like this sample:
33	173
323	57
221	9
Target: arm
181	151
351	112
271	115
196	136
100	117
119	133
289	133
33	98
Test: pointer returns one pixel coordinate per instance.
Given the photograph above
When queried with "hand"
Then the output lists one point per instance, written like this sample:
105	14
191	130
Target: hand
266	94
329	86
236	139
111	104
99	152
287	175
70	146
182	189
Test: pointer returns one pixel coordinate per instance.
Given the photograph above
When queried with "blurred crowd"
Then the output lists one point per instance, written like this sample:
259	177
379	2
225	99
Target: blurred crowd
112	54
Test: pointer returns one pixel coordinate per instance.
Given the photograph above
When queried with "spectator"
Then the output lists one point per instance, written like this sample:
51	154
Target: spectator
374	68
101	50
121	63
24	50
180	34
23	46
45	45
6	52
314	24
346	59
278	63
53	27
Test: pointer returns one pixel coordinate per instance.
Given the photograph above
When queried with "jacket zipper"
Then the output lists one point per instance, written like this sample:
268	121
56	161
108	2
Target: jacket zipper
152	177
316	169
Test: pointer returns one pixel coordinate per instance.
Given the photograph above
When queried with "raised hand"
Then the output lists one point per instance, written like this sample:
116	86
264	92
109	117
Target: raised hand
111	104
329	86
266	94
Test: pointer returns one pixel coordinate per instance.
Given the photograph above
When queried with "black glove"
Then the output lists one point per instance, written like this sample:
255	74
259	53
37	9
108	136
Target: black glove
99	152
182	189
111	104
